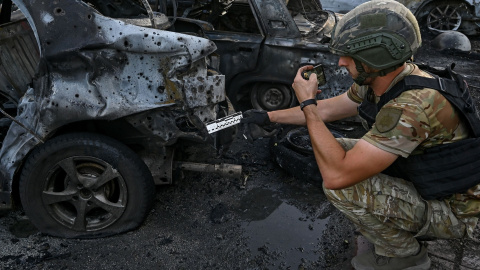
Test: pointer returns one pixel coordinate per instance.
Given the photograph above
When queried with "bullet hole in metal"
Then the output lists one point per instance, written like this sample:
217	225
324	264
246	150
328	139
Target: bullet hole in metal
141	58
161	89
202	52
59	12
125	43
89	16
48	42
99	27
145	35
77	95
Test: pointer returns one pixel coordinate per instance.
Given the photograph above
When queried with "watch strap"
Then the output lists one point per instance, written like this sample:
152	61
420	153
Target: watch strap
307	102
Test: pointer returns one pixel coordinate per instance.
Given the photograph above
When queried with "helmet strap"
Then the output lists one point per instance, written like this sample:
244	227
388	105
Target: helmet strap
363	75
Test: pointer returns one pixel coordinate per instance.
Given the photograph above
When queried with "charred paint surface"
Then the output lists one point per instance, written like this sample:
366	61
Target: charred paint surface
95	67
266	41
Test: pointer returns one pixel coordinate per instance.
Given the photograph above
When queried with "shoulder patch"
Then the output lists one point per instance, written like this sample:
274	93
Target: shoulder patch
387	119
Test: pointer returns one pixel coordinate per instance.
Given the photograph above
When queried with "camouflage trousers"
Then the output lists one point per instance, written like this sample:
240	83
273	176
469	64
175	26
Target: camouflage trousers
390	213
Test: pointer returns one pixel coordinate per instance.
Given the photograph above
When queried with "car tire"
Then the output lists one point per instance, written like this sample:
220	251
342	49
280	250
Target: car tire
272	96
444	16
85	185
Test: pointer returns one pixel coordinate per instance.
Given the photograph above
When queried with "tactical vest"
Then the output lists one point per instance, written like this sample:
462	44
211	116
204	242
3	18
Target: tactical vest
445	169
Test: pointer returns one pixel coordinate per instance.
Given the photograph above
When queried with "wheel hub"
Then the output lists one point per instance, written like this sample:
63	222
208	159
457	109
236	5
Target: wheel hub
273	97
85	194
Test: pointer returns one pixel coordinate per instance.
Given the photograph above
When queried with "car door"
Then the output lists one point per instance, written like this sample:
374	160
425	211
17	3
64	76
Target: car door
238	39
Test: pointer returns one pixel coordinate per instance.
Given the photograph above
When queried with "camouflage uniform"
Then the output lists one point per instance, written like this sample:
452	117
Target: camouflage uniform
389	211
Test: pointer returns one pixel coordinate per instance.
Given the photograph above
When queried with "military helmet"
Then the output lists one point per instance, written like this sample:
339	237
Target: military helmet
383	34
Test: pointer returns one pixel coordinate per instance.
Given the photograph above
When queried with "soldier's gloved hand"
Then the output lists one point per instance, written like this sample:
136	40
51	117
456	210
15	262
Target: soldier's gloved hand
253	125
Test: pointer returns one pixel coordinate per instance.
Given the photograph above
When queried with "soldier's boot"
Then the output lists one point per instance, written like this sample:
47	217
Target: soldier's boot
372	261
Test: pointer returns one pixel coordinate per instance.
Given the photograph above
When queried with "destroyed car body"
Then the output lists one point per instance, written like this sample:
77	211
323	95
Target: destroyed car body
262	43
95	96
435	15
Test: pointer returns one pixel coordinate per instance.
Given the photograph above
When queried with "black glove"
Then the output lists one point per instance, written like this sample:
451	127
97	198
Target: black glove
258	117
253	123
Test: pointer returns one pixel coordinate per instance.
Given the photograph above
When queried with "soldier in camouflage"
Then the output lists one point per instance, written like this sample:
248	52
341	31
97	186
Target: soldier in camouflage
375	42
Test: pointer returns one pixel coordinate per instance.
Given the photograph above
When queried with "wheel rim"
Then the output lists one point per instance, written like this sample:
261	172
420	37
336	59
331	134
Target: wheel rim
444	18
271	97
85	194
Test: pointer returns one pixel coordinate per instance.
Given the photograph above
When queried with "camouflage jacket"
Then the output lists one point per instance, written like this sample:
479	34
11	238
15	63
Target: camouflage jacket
417	120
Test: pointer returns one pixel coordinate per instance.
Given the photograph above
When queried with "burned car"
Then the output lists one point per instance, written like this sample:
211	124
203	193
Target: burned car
435	15
95	98
262	43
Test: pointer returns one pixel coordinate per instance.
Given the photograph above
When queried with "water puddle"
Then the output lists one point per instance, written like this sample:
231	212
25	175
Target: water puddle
279	233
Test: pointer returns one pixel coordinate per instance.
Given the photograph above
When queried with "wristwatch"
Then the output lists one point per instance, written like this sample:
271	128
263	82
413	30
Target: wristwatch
307	102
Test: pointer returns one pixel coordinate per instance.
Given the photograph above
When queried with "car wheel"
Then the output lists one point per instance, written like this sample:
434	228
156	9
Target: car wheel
445	16
272	96
85	185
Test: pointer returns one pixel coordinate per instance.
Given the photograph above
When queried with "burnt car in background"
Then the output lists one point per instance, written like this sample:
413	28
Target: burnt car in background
262	43
95	98
434	15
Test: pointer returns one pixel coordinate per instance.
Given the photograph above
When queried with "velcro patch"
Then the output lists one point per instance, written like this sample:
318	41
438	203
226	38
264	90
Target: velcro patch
373	20
387	119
